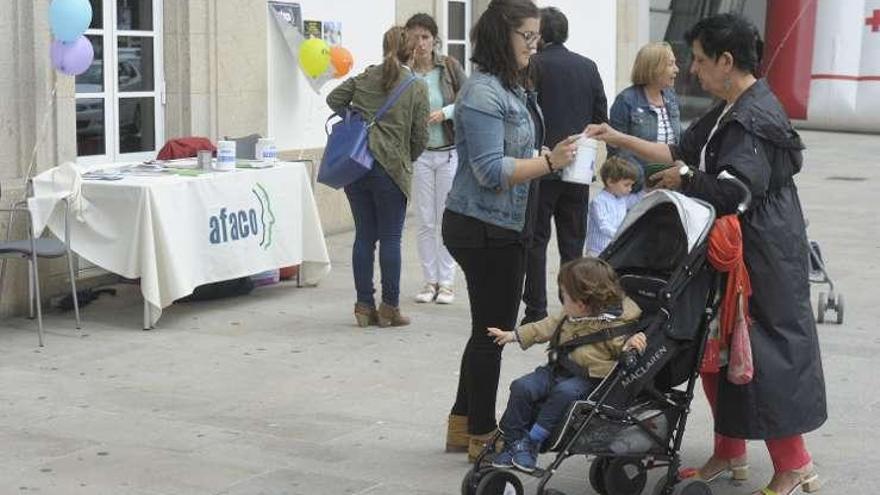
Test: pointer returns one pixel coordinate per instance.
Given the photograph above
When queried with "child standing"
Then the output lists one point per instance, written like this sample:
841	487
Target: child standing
609	207
592	301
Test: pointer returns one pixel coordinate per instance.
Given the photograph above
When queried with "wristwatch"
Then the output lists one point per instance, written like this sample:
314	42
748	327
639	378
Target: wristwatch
686	173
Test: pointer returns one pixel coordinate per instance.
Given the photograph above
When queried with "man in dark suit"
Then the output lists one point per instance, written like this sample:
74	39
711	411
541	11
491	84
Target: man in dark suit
571	95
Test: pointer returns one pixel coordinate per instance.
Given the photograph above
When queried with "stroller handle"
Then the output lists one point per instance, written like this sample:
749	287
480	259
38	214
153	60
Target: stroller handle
747	194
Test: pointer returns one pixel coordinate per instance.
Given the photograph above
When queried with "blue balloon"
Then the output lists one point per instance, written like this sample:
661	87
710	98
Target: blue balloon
69	19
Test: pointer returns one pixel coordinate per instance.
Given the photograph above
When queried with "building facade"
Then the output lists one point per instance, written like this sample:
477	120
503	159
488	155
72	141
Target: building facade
215	68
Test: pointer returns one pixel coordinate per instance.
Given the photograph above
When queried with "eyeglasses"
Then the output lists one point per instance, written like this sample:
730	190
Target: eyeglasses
530	37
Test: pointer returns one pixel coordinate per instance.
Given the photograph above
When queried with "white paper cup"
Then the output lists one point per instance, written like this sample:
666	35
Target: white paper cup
581	171
225	156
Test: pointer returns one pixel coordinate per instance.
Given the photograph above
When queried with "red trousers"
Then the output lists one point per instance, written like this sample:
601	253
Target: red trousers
787	453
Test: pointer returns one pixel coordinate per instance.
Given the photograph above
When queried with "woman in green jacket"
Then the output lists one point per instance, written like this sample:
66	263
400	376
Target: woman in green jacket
378	199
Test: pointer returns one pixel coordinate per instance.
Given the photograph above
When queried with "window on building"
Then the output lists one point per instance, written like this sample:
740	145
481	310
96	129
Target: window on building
120	98
457	30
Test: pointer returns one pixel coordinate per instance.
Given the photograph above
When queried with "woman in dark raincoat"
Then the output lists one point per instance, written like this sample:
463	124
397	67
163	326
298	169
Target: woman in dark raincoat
749	136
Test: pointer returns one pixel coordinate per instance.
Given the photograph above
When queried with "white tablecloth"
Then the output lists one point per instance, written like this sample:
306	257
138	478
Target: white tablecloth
178	232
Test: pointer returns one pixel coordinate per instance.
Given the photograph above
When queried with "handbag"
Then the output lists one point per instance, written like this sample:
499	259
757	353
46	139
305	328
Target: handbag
740	368
347	156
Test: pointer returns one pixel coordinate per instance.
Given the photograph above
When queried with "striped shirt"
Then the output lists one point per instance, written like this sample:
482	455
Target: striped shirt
665	134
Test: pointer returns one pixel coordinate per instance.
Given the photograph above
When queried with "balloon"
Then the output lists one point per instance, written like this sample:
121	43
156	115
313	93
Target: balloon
72	58
69	19
341	60
314	57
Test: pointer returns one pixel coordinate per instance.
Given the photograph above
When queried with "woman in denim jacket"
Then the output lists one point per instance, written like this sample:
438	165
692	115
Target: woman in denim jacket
649	108
487	224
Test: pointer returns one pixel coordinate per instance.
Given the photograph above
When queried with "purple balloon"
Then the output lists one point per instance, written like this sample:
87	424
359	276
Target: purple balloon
72	58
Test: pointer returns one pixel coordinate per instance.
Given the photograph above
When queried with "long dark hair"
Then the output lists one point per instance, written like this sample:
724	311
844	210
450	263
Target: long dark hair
493	50
730	33
396	48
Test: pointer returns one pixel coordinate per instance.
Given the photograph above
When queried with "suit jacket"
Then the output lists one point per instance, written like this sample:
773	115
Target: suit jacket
570	92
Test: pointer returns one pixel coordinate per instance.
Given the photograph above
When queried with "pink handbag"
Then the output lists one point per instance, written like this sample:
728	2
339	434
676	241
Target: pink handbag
740	368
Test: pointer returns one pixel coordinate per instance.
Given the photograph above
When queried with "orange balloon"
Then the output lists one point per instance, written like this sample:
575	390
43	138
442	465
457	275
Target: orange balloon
341	60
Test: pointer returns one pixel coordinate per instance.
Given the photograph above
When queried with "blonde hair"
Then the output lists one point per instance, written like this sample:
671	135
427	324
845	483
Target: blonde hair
650	63
397	49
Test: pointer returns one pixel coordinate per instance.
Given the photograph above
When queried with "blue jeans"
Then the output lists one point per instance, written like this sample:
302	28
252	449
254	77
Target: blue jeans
379	208
541	398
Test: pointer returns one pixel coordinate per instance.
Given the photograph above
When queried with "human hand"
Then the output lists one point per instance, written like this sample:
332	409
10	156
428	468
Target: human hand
669	178
500	336
603	132
638	342
436	117
564	152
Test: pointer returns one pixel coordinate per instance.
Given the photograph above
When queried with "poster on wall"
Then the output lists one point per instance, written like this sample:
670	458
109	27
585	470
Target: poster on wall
313	29
305	40
289	13
333	32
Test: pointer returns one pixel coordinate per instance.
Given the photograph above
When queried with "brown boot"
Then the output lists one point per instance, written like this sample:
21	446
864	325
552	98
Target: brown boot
478	443
365	315
389	316
457	438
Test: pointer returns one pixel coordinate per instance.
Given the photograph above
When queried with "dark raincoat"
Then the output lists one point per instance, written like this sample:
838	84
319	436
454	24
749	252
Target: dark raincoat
756	142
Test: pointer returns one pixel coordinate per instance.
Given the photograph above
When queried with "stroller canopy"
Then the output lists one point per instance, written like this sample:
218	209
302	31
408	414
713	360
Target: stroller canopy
696	216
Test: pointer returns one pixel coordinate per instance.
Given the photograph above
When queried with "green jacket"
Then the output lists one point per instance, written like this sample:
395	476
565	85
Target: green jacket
401	135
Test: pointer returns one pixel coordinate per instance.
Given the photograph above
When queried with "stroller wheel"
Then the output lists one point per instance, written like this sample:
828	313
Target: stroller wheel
692	487
499	482
625	477
839	306
597	475
472	479
821	307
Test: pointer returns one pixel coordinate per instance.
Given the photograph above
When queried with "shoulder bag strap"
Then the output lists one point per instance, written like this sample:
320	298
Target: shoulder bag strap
393	98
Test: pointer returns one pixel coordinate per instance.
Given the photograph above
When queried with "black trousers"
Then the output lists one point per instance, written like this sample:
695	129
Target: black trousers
567	204
494	281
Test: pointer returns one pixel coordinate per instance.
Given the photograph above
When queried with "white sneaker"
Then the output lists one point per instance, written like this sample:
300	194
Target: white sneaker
445	295
427	294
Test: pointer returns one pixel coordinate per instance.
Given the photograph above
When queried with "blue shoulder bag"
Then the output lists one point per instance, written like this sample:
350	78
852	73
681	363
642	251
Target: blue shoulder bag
347	156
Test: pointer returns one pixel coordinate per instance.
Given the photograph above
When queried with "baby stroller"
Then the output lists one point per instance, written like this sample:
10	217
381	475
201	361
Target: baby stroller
830	301
635	419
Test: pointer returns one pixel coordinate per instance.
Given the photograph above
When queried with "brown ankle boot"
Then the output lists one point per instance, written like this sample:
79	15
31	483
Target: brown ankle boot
457	438
365	315
478	443
389	316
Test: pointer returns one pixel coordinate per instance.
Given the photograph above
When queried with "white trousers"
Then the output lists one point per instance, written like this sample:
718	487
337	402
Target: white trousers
432	180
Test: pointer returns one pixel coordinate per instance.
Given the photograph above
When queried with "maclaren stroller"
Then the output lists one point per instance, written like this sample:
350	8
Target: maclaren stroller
635	419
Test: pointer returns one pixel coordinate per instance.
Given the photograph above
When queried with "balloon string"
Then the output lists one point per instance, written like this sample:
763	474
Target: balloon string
41	134
787	35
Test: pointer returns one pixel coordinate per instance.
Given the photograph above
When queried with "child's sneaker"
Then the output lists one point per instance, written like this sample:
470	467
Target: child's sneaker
525	455
504	459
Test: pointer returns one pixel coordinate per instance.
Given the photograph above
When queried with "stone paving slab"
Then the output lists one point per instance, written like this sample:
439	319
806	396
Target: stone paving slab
279	392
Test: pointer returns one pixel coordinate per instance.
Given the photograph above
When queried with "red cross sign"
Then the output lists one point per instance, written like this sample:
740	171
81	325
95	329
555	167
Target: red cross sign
874	21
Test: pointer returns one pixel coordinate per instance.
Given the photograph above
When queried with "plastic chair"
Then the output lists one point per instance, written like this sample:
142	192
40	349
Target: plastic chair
33	248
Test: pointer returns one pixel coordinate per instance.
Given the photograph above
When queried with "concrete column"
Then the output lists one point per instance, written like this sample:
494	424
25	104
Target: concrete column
633	30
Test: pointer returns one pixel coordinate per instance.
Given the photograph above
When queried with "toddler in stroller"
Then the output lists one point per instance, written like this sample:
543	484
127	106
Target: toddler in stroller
585	342
634	420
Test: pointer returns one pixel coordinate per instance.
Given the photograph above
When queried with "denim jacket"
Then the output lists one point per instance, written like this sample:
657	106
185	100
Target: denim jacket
631	114
493	127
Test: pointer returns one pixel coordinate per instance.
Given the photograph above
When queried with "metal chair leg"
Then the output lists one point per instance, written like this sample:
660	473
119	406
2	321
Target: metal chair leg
35	281
72	275
31	262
